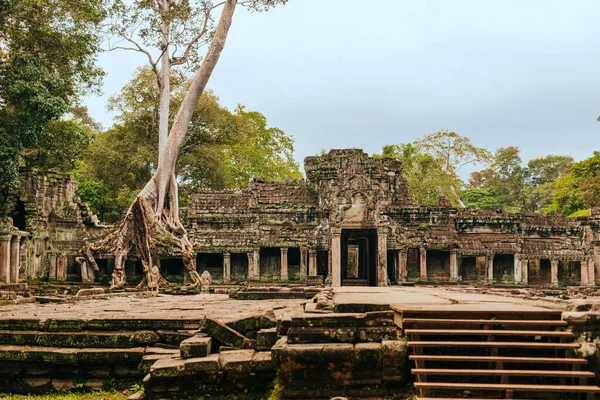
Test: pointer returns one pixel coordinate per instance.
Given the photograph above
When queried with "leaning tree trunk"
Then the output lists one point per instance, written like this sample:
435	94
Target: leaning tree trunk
151	225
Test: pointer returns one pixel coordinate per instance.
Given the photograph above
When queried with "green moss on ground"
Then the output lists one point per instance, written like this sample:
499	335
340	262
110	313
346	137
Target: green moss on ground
68	395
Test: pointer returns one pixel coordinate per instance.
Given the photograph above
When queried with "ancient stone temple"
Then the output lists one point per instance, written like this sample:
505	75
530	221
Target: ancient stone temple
351	222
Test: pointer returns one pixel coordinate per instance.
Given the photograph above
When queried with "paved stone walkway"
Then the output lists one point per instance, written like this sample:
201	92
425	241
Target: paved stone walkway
218	306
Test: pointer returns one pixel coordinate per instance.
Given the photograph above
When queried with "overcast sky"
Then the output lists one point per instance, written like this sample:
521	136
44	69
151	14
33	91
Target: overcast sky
356	73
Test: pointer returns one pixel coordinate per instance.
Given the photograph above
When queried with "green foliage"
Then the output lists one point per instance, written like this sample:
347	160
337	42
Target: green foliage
223	149
578	189
482	199
431	165
47	56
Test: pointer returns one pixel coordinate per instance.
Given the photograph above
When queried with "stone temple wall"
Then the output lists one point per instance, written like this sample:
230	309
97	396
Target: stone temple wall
310	230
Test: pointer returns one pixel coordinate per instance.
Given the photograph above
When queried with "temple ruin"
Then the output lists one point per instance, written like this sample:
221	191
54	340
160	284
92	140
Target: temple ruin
350	222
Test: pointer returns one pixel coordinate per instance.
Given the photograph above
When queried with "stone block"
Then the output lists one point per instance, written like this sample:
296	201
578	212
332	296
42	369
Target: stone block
64	325
368	363
377	333
321	334
226	335
62	384
206	365
7	295
266	338
17	337
145	338
196	346
86	339
337	360
90	292
283	325
395	360
19	324
253	323
167	368
262	361
328	320
173	338
379	318
238	362
37	382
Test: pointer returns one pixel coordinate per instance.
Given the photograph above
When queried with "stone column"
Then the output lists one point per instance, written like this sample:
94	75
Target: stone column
250	266
525	271
336	257
312	262
257	264
226	267
423	264
490	269
402	270
15	258
518	268
554	272
453	266
382	278
284	264
5	258
591	273
303	264
584	273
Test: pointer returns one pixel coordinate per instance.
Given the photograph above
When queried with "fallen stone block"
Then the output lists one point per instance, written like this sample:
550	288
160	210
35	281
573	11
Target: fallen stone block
266	339
321	335
395	360
167	368
262	361
7	295
174	338
205	365
90	292
196	346
145	338
226	335
239	361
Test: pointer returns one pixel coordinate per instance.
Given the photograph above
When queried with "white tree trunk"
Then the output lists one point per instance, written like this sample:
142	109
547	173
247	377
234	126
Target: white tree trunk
168	158
164	85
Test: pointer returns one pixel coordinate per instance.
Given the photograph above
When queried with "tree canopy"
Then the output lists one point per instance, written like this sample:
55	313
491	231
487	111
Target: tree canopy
47	61
223	148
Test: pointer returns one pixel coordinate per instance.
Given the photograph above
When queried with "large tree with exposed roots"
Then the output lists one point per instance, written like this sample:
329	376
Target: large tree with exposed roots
179	30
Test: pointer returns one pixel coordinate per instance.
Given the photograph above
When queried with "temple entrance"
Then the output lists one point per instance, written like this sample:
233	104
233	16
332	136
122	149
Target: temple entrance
359	257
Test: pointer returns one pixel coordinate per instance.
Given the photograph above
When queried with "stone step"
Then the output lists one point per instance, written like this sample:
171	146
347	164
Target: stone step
444	344
481	314
502	372
486	332
506	387
495	359
99	324
82	339
71	356
483	322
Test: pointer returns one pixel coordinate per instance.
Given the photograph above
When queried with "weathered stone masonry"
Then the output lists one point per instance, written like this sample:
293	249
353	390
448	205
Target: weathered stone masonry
351	222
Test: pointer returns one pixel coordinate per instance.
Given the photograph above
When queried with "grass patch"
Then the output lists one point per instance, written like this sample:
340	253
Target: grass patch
68	395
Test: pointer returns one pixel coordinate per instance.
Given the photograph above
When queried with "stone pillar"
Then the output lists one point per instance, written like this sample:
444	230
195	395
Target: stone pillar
525	271
5	258
518	269
402	270
336	257
490	269
591	273
15	258
257	264
226	267
87	272
554	272
284	264
250	266
453	266
423	264
303	264
382	278
312	262
584	273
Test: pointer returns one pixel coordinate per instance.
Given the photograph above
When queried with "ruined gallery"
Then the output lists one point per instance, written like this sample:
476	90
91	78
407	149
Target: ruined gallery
350	223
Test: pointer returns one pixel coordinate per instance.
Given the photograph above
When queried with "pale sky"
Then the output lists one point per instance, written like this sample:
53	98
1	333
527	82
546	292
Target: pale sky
355	73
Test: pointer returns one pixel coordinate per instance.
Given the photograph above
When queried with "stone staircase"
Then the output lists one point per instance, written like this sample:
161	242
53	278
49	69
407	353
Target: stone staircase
494	355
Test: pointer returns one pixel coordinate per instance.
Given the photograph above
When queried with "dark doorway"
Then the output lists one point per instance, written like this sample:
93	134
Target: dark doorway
239	266
569	272
19	216
392	271
504	268
322	262
359	257
294	263
270	263
469	269
211	262
438	265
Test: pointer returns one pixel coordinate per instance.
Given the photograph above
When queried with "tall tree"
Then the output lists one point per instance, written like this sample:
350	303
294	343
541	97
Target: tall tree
454	152
180	30
47	61
223	148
